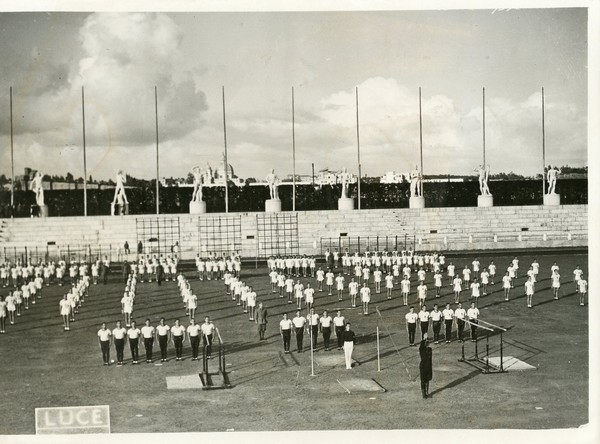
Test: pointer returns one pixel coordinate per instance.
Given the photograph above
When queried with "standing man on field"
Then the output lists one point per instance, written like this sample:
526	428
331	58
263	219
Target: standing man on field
104	335
299	322
261	320
425	366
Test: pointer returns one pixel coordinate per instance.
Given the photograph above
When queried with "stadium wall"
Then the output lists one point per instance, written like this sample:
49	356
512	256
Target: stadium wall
309	232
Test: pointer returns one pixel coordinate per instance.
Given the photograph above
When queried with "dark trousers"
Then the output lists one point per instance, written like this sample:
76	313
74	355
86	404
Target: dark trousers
448	325
412	329
195	343
299	338
134	347
437	325
424	388
178	340
287	335
105	347
208	339
461	328
424	328
473	329
339	333
326	335
162	342
119	347
315	335
148	343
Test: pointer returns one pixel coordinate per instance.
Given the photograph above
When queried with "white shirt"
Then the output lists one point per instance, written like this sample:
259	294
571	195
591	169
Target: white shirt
299	321
147	331
424	316
435	315
162	330
104	334
177	330
133	333
119	333
473	313
411	318
285	324
460	313
326	321
339	321
193	330
448	313
207	329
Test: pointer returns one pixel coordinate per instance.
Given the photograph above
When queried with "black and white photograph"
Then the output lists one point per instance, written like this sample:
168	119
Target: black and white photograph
300	221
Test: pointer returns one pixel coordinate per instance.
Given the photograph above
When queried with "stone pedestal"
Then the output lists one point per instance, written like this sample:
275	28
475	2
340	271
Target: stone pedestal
345	204
197	207
485	201
416	202
552	199
119	210
43	211
272	205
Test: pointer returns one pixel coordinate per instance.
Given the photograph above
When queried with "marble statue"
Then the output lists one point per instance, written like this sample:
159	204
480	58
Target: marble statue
273	182
484	175
552	175
120	188
198	181
415	182
38	189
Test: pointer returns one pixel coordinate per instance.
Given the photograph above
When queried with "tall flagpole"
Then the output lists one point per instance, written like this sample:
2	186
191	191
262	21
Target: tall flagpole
484	127
421	141
157	169
543	146
12	160
225	156
293	155
358	147
84	154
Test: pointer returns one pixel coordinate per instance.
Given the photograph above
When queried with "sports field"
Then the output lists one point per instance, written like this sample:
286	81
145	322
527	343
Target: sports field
44	366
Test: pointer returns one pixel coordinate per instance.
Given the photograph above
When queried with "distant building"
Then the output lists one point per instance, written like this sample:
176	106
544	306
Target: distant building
391	177
327	177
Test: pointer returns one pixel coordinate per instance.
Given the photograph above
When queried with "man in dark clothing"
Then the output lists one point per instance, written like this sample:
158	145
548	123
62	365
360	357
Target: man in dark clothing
261	320
160	274
425	366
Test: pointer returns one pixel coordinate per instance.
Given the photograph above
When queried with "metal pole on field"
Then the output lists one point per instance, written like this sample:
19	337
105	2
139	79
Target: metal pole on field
312	352
543	145
483	127
358	147
157	170
421	141
84	154
294	155
378	355
225	155
12	160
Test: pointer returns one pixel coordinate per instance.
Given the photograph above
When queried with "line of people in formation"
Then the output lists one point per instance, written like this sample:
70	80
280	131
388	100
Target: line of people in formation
28	288
176	334
71	302
164	333
153	267
452	319
478	279
52	272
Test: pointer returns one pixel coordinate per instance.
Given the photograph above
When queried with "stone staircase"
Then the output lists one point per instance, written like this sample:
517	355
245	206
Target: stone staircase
444	229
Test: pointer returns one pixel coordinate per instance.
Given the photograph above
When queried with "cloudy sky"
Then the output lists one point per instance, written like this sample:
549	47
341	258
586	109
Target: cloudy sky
259	56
